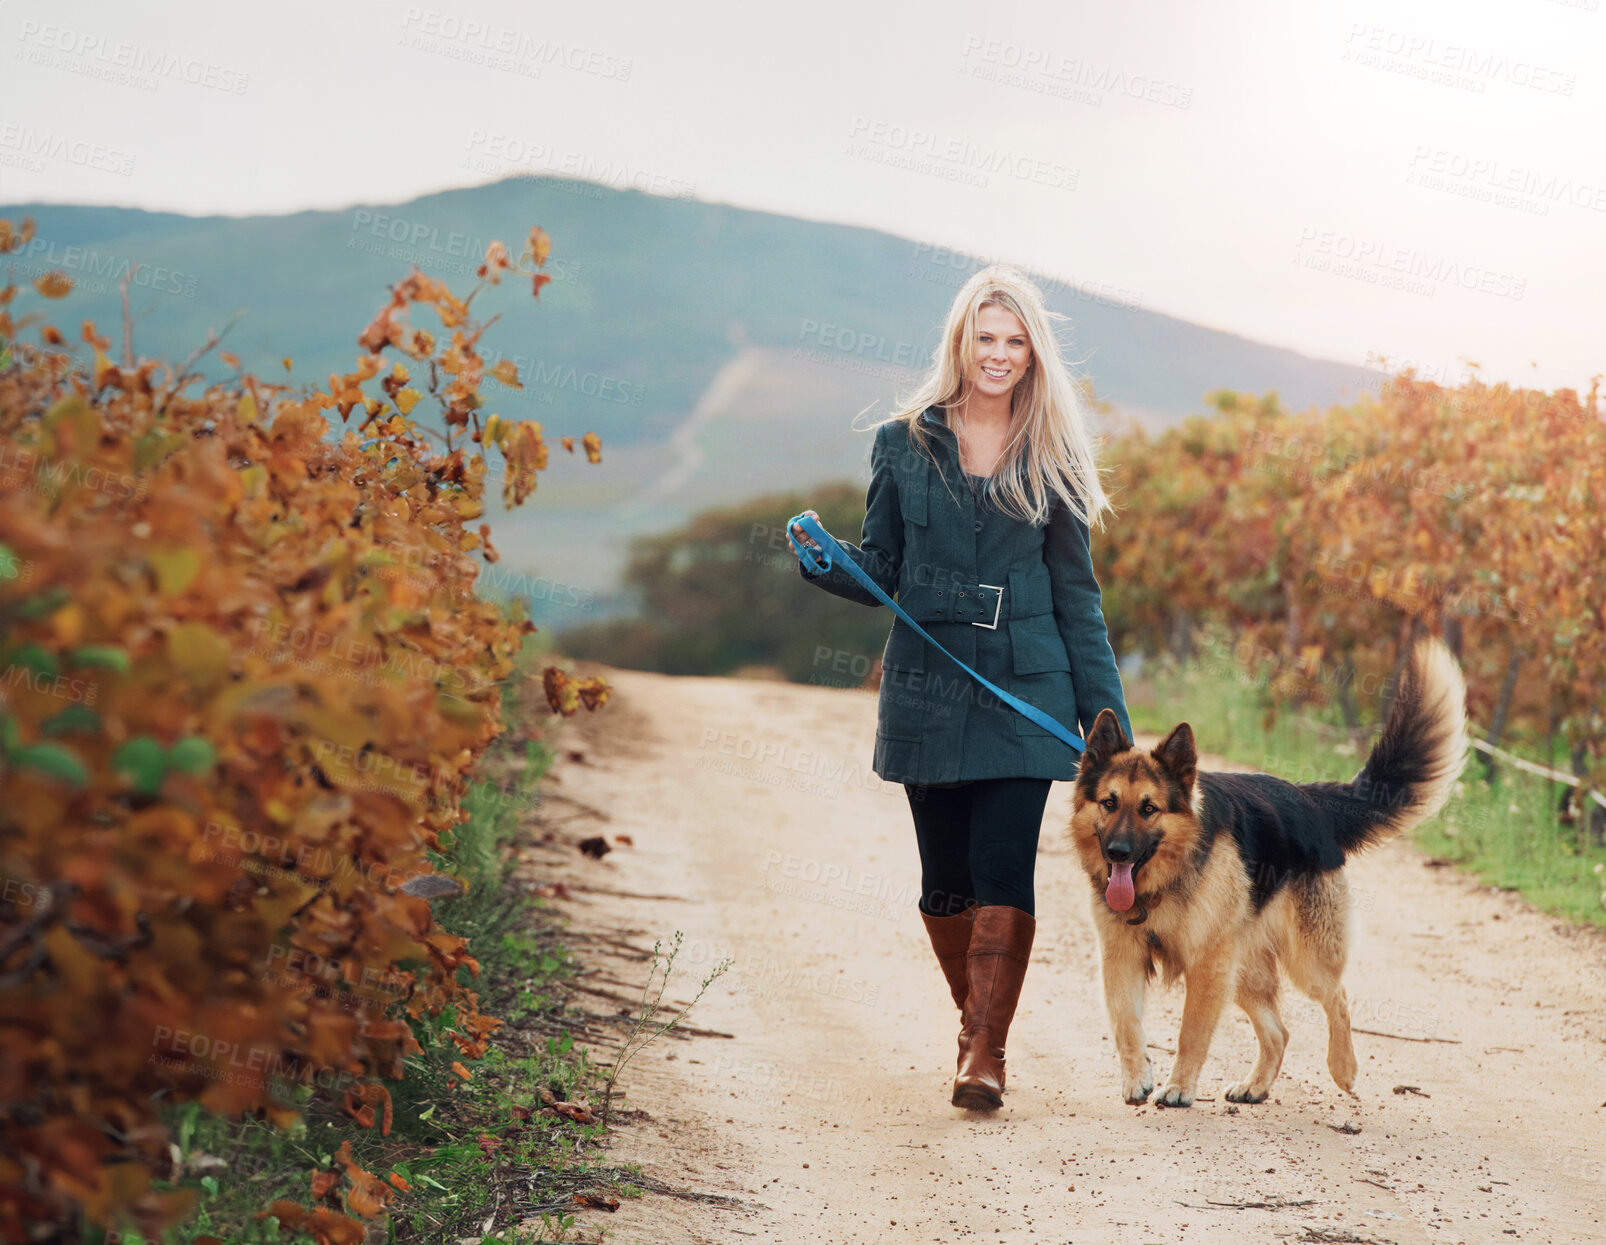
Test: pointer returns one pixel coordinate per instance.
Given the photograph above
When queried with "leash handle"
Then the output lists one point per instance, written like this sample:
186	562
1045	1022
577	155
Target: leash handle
822	560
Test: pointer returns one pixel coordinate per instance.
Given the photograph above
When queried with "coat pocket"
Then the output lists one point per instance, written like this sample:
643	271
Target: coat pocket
1043	673
896	760
1035	645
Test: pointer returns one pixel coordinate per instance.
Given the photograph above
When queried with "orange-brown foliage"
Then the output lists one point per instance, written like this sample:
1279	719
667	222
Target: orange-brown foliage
243	678
1320	540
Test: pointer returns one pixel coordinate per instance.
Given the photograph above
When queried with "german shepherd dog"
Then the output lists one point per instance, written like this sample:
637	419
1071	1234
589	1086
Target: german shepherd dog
1231	875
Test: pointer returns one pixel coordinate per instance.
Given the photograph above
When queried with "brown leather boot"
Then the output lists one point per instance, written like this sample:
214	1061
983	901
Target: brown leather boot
1000	946
950	939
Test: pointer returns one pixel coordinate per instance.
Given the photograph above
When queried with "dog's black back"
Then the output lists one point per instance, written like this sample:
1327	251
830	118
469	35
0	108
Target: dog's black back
1282	830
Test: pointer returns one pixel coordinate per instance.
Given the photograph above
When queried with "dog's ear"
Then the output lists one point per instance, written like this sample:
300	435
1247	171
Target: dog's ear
1104	741
1179	756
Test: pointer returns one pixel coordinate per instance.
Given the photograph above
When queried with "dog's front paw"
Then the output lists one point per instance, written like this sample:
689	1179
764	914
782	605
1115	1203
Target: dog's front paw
1174	1095
1245	1092
1341	1064
1136	1087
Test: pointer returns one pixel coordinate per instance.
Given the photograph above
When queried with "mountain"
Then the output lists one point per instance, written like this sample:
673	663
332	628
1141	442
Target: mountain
719	352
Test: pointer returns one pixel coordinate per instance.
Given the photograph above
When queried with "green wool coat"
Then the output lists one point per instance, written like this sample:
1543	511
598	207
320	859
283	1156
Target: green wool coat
927	543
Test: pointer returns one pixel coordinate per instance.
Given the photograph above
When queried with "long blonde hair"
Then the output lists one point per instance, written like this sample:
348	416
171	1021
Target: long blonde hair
1050	448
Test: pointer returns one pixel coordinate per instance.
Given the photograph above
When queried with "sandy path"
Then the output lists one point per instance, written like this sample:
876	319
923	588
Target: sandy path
825	1115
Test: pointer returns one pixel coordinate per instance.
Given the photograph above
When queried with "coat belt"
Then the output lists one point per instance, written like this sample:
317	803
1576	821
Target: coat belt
1018	596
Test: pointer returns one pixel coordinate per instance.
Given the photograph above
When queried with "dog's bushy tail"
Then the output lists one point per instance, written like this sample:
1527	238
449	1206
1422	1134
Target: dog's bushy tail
1420	754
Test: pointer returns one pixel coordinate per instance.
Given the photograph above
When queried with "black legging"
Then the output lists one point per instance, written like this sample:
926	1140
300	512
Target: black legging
978	842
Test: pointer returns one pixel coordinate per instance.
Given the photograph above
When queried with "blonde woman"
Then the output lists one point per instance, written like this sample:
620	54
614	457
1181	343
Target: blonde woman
983	489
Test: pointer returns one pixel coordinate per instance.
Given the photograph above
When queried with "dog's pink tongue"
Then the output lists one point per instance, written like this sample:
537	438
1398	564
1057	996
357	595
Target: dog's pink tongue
1119	894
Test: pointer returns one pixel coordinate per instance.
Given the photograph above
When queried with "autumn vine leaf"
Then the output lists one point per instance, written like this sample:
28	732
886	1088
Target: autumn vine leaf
54	284
537	248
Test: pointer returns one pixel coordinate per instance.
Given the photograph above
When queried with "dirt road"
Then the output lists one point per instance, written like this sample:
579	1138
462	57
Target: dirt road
761	832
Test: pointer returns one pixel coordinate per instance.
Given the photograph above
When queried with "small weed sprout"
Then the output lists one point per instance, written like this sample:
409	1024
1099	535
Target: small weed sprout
645	1025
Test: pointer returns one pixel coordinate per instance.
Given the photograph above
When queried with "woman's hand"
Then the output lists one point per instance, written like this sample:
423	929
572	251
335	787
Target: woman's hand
797	535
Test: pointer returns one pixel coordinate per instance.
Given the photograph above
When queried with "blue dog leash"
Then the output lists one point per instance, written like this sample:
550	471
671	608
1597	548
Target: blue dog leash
829	546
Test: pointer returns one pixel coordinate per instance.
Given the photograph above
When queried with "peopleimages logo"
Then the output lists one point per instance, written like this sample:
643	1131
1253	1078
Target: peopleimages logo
1491	180
1450	64
98	272
950	266
437	30
428	245
1047	72
1379	261
840	338
27	469
562	377
33	148
501	150
118	60
926	151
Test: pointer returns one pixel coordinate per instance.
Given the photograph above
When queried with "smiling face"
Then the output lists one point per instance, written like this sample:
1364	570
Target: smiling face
1134	824
1001	354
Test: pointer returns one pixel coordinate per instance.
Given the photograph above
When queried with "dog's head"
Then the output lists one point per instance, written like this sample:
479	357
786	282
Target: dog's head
1134	823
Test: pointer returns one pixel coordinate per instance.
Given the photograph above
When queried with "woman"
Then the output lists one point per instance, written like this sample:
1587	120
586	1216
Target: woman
982	491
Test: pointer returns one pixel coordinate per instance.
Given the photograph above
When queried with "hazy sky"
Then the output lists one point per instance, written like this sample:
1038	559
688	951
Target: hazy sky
1425	182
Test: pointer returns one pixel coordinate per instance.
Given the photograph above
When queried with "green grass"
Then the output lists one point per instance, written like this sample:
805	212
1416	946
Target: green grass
1505	832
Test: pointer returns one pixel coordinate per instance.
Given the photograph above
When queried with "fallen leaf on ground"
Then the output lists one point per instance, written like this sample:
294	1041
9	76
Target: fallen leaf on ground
576	1111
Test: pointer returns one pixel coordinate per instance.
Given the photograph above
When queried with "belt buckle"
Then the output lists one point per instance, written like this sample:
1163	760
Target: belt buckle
997	609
